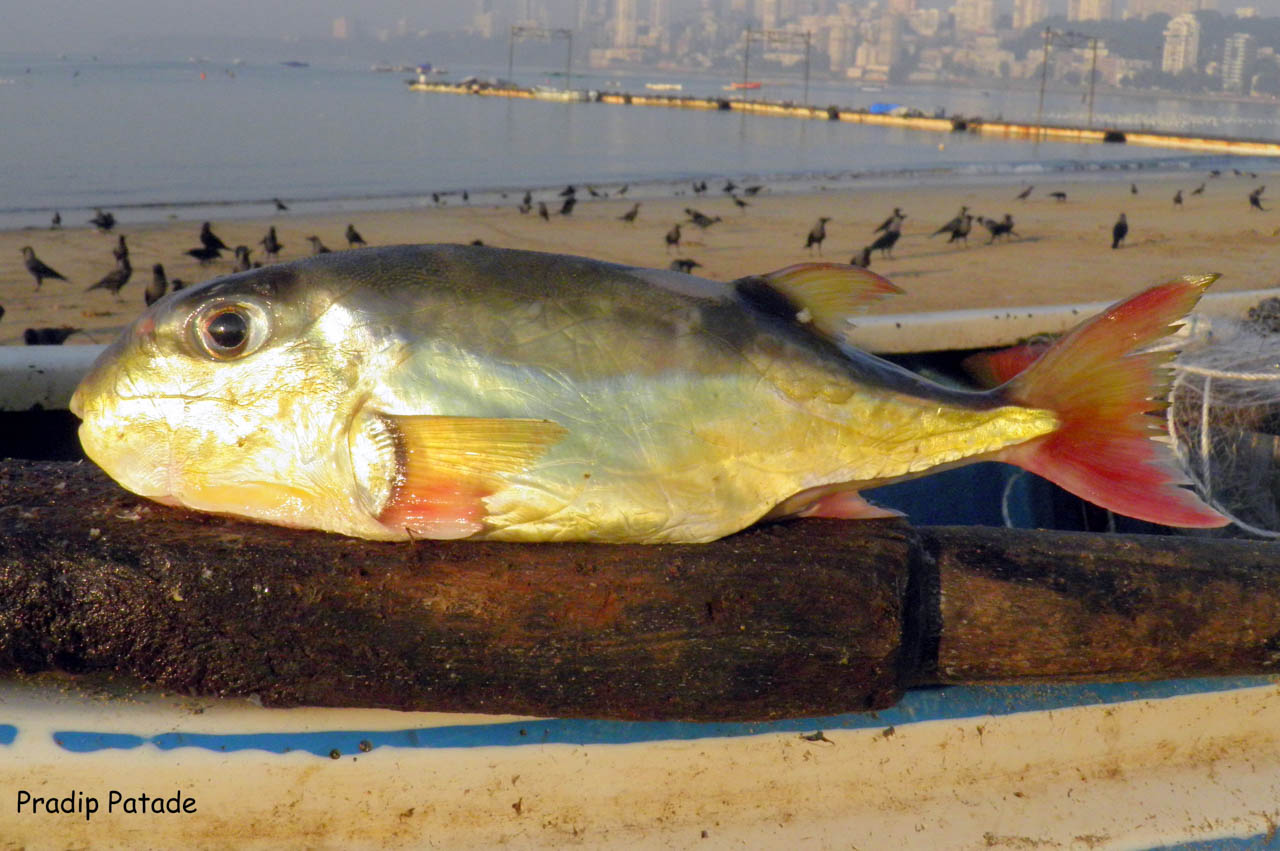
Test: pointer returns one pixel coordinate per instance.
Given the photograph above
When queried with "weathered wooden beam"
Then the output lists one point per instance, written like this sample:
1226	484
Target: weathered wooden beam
764	625
798	619
1024	605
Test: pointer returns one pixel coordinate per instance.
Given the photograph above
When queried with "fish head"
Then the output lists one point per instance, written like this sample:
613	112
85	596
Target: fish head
238	397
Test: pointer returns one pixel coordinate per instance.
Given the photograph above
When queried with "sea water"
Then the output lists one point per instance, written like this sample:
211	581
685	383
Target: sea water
155	140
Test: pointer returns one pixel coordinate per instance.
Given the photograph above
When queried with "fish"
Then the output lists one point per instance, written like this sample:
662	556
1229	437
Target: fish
450	391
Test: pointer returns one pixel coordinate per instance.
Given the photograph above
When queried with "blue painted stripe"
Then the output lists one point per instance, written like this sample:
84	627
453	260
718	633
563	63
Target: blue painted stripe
919	705
89	742
8	733
1261	842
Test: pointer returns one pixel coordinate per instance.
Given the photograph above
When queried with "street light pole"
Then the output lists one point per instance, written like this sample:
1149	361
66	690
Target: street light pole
1067	39
786	37
511	51
1044	74
1093	76
519	31
806	67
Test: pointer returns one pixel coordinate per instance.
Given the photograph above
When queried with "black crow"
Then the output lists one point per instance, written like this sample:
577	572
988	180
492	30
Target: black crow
1119	231
817	234
37	268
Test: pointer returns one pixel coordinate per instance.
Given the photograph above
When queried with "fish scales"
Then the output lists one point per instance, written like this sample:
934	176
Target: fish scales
748	411
458	391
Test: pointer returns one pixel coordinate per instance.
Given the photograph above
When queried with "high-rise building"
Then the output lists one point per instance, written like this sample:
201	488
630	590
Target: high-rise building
841	42
769	13
659	15
624	23
1028	13
1089	10
1146	8
592	14
484	20
975	16
1181	44
1238	53
888	40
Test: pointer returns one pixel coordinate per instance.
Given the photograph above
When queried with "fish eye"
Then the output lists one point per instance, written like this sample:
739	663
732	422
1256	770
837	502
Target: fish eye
230	330
227	330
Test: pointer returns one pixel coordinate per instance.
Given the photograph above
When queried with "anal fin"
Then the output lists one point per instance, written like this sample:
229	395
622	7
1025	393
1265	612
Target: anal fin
847	505
832	501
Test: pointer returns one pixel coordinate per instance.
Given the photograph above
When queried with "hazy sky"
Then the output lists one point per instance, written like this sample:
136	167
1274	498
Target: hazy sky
58	26
76	25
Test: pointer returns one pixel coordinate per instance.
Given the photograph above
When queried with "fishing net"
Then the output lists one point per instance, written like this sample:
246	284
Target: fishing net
1224	415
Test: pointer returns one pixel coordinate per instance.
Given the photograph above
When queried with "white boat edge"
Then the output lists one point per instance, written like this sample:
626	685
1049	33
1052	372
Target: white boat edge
1156	767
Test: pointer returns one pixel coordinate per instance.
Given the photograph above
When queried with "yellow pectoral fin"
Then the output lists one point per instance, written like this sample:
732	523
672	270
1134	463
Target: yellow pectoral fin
472	447
448	465
831	292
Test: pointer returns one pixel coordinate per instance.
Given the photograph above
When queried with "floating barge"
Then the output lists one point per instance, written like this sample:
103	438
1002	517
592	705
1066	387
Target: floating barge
952	124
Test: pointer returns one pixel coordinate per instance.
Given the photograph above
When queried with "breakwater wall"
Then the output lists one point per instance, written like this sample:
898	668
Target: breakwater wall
952	124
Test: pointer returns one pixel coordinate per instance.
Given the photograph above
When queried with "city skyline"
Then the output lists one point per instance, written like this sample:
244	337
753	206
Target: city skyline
884	41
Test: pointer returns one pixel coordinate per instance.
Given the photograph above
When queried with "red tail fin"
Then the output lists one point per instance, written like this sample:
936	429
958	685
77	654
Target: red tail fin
1103	392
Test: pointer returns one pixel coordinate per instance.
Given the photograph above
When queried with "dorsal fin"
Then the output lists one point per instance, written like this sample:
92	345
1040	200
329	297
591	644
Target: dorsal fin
824	294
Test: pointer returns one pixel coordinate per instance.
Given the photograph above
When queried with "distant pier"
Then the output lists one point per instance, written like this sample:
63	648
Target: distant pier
952	124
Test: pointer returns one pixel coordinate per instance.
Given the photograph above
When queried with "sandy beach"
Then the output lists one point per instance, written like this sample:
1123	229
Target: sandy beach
1061	253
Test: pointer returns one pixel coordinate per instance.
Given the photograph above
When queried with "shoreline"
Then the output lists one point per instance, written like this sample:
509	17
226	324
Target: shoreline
1061	254
974	173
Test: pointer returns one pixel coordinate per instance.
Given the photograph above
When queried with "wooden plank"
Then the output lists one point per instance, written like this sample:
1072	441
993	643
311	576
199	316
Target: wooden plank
789	620
1066	605
767	624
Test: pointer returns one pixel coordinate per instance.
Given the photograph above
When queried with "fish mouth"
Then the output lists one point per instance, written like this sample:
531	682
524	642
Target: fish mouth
77	402
103	376
123	429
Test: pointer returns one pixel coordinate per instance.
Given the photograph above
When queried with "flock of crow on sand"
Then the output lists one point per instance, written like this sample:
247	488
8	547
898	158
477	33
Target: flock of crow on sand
210	249
1121	228
890	230
886	236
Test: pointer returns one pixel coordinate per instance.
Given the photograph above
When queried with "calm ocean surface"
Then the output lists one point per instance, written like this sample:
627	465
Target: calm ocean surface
154	140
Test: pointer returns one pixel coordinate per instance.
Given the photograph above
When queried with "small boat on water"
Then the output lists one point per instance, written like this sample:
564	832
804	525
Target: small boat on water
554	94
294	63
664	87
733	87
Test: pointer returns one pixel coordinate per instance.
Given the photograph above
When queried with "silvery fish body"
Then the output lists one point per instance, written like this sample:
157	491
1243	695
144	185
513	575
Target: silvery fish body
451	391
